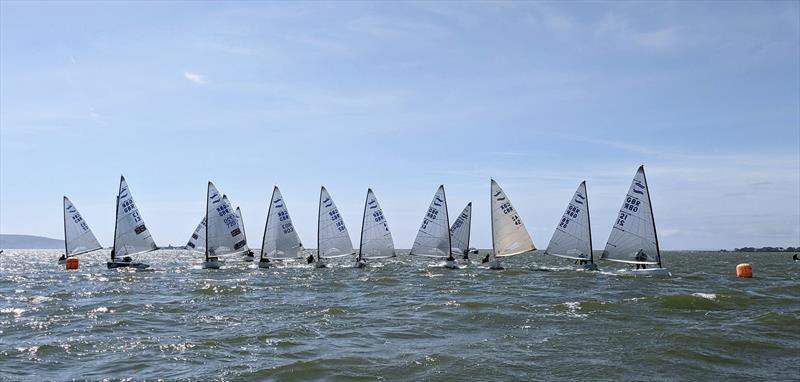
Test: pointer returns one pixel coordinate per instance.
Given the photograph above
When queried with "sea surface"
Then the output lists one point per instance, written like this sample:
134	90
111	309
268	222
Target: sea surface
398	320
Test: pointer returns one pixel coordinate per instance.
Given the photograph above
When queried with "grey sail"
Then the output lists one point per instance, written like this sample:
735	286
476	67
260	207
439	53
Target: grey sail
130	234
280	239
573	238
433	237
197	242
460	230
333	240
223	234
78	237
633	237
239	219
376	239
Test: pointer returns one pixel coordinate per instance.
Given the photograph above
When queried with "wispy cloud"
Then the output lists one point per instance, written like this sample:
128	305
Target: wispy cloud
195	77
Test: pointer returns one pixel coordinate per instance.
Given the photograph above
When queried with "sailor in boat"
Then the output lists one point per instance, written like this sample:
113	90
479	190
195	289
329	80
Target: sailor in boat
466	258
264	263
318	263
360	262
795	258
249	255
641	256
63	258
485	259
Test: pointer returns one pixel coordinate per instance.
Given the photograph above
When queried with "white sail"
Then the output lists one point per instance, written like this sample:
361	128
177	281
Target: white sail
573	238
376	239
433	238
280	239
332	237
78	237
130	235
460	230
509	236
197	242
241	224
223	234
633	238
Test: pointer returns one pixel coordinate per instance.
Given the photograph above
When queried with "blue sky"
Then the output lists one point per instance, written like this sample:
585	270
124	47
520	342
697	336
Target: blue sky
402	97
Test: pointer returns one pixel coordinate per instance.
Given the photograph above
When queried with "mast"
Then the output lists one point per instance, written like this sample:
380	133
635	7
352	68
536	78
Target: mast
652	216
447	219
469	228
589	220
66	247
208	189
116	220
363	220
491	216
319	217
269	212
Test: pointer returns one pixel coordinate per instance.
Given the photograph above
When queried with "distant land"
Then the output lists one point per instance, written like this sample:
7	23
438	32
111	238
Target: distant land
29	242
766	249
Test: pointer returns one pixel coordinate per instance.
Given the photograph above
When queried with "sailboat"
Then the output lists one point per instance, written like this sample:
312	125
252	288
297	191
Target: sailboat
280	241
248	254
223	234
459	233
509	235
197	242
633	239
376	239
78	237
433	237
332	237
573	236
131	236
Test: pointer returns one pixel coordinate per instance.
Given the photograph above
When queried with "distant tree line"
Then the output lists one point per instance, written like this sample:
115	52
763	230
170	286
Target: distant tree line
767	249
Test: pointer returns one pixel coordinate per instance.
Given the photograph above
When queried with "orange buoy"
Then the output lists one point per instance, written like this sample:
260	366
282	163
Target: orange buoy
744	270
72	262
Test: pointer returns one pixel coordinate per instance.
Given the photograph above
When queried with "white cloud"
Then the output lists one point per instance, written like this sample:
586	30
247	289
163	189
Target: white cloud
195	77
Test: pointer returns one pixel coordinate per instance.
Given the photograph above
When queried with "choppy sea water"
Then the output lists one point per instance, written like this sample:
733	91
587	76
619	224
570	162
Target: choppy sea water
399	319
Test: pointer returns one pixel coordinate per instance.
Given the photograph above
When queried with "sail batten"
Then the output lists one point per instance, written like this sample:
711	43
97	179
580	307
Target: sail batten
633	238
572	237
131	235
509	235
78	237
460	230
333	240
280	239
224	235
433	238
376	238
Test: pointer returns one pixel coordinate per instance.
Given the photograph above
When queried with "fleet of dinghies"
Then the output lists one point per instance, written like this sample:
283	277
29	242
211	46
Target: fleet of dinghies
633	239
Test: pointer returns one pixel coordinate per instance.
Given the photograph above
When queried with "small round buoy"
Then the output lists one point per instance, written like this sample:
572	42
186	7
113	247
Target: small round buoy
744	270
72	262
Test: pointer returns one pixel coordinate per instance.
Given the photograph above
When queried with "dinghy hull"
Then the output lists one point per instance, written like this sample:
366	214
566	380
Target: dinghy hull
122	264
212	263
650	272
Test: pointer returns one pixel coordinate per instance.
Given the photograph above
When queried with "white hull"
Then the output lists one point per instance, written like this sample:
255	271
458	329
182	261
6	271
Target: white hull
320	264
451	264
495	264
662	272
212	264
588	267
249	258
